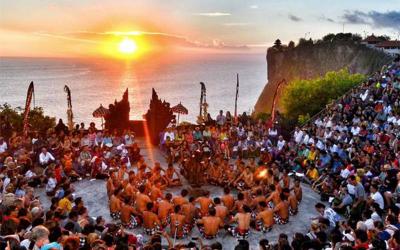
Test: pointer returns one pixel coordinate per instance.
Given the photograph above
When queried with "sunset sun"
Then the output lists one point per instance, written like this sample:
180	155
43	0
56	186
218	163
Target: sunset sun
127	46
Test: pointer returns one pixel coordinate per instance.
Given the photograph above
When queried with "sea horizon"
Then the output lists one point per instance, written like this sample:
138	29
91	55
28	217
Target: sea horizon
95	81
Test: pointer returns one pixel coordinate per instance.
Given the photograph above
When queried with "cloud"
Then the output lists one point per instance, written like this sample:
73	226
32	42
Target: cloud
355	17
65	37
327	19
254	6
294	18
389	19
213	14
155	39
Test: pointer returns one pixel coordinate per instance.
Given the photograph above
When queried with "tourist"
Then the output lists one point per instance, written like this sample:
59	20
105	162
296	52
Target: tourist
221	119
45	158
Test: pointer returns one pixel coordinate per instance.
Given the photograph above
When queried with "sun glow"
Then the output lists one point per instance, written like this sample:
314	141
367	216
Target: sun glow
127	46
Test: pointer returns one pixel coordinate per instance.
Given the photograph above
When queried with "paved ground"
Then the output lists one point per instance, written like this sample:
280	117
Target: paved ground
95	197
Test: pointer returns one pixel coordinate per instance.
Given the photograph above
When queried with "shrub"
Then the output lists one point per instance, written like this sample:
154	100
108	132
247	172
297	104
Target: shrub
38	121
302	98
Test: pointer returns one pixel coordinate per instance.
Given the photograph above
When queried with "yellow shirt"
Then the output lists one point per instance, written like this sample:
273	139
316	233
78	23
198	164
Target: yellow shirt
313	174
65	204
222	136
312	155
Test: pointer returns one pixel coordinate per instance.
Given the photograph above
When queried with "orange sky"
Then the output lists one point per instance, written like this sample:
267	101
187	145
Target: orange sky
70	28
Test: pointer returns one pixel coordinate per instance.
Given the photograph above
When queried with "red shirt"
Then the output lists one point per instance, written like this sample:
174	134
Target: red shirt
361	246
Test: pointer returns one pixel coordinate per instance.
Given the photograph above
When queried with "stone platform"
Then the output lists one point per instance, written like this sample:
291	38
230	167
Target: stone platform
95	198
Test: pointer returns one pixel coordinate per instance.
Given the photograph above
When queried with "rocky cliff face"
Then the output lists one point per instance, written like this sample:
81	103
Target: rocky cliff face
312	60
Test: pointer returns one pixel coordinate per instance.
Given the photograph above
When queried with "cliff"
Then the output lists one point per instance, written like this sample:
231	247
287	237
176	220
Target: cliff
310	60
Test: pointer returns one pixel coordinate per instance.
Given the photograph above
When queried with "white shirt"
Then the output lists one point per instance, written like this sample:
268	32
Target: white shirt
51	184
392	119
281	144
329	124
320	145
25	243
327	134
333	148
272	132
377	197
364	96
3	147
318	122
387	109
6	181
29	174
45	158
298	135
306	138
331	215
344	173
355	130
311	141
221	119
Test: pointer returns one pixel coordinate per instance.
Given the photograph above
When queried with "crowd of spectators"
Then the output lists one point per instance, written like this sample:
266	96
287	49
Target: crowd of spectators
51	163
349	155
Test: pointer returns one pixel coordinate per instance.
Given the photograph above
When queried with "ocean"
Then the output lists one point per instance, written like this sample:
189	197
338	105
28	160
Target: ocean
101	81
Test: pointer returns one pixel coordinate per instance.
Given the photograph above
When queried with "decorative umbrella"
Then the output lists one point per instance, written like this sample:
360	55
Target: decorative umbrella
101	112
179	109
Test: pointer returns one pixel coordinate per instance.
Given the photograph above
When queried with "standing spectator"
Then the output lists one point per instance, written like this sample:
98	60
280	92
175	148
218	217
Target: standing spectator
221	119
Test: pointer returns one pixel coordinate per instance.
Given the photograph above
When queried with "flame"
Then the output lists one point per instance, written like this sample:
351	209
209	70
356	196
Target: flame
262	174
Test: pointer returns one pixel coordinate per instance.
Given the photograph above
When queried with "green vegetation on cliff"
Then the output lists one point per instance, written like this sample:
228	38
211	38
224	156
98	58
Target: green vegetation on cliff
309	59
14	117
305	98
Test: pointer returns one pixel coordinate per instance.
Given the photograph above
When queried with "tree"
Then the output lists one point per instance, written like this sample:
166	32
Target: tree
329	38
277	43
307	97
305	42
384	38
38	121
291	45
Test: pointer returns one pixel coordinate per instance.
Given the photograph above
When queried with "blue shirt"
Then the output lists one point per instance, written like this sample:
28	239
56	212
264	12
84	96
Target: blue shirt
325	159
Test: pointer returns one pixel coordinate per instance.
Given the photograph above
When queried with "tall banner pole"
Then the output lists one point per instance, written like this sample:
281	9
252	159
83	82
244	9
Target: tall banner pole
237	94
70	115
29	95
274	100
201	98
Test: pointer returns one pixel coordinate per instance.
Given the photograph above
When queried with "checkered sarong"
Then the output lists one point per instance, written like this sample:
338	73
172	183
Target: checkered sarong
261	227
115	215
280	221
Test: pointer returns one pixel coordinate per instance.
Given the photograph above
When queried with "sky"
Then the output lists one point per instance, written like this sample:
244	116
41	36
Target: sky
67	28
